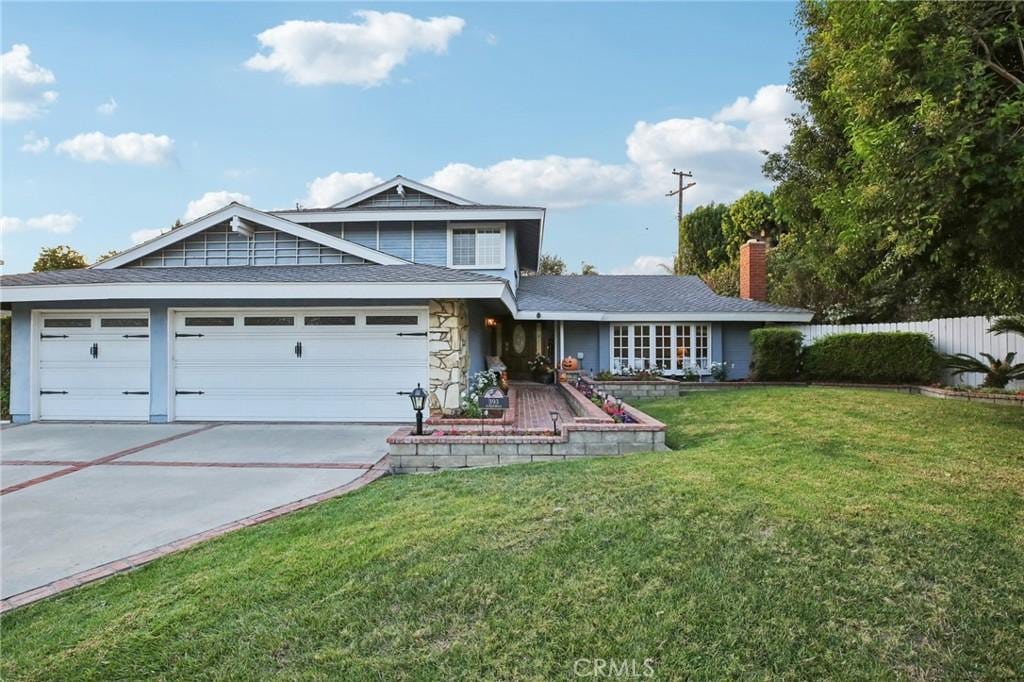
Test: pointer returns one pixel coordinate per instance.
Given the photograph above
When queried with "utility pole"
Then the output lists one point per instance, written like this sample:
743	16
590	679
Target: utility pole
678	266
679	192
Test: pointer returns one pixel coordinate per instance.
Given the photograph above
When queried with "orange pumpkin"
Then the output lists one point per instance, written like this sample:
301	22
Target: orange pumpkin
571	364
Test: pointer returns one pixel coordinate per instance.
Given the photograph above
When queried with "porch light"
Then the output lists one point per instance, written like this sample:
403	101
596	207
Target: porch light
490	322
419	399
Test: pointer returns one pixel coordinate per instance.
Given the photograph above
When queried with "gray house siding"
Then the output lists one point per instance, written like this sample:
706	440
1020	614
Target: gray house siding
477	338
430	243
582	337
21	344
396	239
736	347
604	347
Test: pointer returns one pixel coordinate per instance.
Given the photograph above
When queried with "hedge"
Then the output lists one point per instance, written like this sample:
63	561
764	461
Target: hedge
876	358
775	354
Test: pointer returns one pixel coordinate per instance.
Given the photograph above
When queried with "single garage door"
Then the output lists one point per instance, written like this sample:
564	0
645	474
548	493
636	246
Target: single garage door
94	366
298	364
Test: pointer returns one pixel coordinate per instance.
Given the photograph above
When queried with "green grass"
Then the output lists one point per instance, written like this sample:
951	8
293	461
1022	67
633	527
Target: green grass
798	533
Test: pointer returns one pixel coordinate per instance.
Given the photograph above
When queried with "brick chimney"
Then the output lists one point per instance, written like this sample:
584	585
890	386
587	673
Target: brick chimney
753	273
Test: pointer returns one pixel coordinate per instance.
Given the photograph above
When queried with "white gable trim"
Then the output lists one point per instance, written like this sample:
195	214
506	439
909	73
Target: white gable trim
406	182
422	213
236	210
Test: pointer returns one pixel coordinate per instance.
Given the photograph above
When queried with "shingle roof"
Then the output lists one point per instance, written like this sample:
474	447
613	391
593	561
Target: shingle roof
632	294
412	273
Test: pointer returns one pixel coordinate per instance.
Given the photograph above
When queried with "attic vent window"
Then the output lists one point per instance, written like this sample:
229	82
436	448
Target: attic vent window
478	247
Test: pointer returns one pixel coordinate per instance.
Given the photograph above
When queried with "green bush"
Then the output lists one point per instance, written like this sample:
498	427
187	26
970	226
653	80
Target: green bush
775	354
878	358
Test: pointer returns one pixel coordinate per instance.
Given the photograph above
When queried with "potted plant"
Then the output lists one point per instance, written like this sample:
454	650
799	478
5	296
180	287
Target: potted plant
541	369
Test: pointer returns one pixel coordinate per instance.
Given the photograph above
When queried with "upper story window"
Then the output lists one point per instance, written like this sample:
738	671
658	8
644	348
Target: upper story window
478	246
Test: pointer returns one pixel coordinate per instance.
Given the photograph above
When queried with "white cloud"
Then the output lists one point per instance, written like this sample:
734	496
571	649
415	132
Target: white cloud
57	223
211	201
133	148
554	181
321	53
724	153
108	107
332	188
491	39
25	93
724	157
35	144
140	236
647	265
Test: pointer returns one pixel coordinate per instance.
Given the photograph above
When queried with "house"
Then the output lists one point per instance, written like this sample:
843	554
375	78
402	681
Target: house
332	313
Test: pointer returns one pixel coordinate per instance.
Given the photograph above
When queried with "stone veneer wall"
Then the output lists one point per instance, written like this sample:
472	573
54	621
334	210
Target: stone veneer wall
448	343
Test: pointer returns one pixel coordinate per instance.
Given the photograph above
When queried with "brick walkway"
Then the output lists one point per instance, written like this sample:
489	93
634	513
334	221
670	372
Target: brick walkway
535	403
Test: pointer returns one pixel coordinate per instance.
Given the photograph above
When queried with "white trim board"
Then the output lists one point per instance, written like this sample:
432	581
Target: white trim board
422	214
782	316
258	290
405	182
236	210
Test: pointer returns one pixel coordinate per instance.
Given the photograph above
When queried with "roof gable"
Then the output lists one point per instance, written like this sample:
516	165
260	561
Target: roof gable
400	191
246	221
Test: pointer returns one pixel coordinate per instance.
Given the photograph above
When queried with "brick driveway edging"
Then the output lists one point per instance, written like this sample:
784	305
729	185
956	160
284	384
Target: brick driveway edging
134	561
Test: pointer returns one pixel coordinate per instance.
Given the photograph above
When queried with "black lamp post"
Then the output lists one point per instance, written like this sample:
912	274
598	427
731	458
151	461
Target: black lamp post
419	398
554	420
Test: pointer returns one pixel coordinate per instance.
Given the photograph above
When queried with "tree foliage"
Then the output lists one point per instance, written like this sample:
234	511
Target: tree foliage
753	215
701	240
1011	324
550	264
59	258
587	269
903	183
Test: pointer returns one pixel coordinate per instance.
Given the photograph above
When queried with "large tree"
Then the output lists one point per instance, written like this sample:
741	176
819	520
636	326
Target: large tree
903	184
59	258
753	215
701	241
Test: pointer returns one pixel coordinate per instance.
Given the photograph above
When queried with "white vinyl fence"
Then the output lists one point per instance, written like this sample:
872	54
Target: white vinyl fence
951	335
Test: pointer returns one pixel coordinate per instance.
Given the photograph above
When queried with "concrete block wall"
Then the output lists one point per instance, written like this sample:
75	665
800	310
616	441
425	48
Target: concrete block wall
642	390
410	455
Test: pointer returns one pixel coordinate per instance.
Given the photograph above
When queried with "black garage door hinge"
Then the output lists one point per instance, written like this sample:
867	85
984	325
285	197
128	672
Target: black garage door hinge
53	392
135	336
188	393
53	336
411	334
179	335
135	392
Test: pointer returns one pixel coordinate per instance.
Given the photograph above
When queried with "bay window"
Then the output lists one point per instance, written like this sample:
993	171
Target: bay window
672	348
481	246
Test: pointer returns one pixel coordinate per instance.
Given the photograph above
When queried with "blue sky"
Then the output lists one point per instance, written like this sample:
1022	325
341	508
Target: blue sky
583	108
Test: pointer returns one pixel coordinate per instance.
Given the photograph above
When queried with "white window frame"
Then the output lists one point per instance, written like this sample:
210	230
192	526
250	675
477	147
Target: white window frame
476	226
675	368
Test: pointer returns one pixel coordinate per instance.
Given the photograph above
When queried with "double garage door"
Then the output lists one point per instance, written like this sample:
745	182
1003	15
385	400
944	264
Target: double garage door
245	365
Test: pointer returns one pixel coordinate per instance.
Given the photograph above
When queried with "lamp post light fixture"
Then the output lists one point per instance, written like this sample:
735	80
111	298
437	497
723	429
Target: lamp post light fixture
554	421
419	399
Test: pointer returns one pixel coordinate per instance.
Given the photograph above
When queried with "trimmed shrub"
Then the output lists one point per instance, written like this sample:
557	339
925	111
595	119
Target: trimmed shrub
874	358
775	354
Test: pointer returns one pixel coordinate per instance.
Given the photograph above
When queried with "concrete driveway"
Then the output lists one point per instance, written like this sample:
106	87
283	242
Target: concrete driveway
79	496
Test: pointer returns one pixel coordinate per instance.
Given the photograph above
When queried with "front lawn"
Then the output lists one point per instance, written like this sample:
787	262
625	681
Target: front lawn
801	533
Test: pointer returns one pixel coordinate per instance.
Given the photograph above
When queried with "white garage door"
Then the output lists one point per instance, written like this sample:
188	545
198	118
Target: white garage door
298	364
94	366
